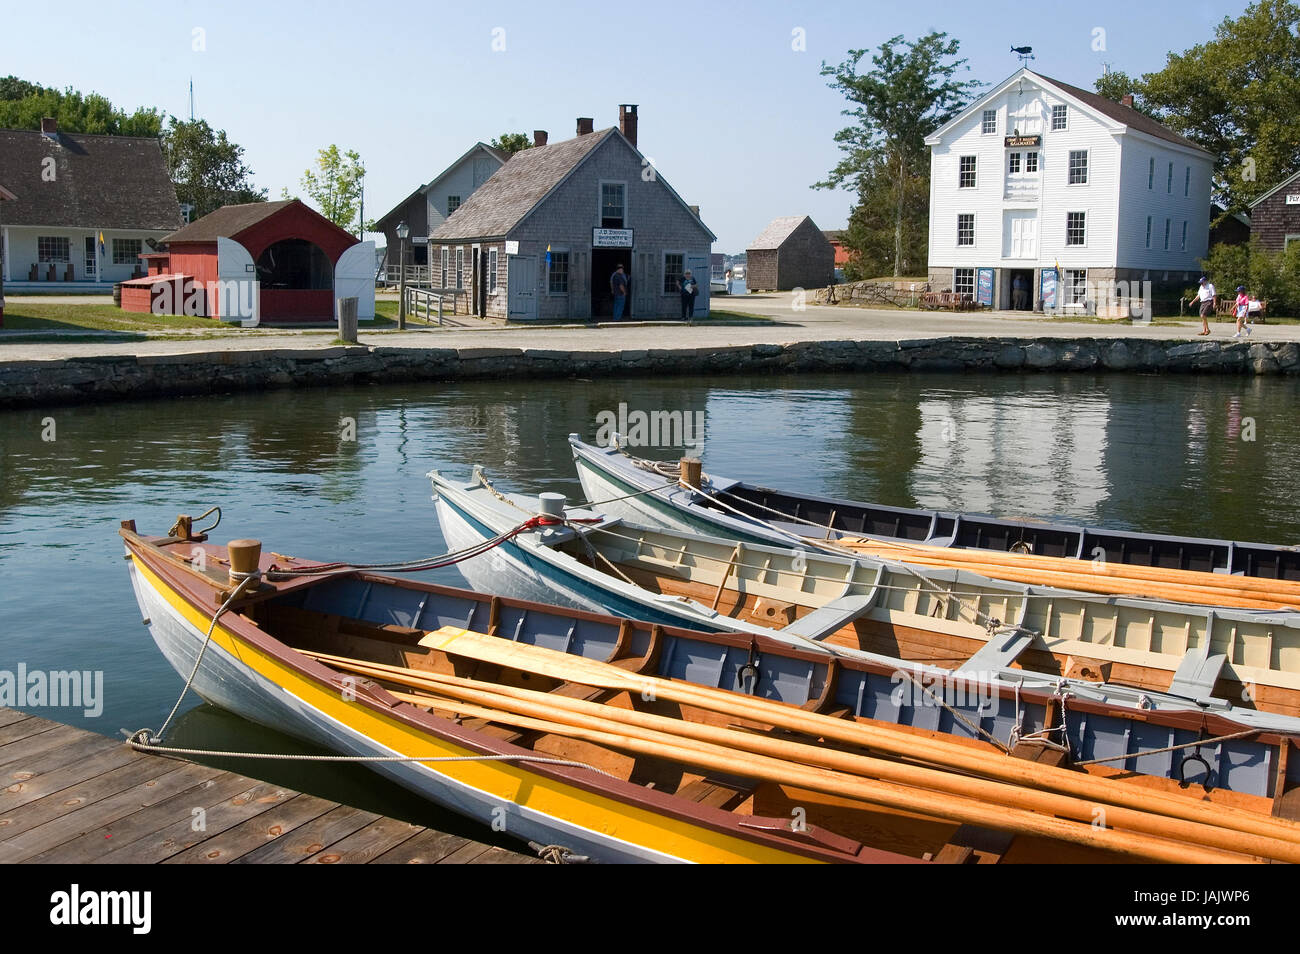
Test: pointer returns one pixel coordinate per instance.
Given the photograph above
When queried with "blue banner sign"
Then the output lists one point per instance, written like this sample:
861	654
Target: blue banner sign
984	288
1047	289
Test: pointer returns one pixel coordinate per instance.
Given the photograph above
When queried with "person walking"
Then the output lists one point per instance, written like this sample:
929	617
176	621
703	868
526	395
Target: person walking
1242	309
689	288
728	281
1205	295
618	288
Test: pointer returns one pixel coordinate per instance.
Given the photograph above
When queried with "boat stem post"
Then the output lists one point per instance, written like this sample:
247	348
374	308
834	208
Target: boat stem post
692	469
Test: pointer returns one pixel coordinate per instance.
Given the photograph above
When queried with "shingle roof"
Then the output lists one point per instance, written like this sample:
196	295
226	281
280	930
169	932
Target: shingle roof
99	182
514	190
227	221
777	231
1277	188
1127	115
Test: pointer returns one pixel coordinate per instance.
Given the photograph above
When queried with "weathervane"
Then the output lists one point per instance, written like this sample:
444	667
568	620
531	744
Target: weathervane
1026	53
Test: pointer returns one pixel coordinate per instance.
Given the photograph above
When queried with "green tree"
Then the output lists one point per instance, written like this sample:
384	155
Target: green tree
1236	96
206	167
24	104
512	142
334	186
1117	84
909	92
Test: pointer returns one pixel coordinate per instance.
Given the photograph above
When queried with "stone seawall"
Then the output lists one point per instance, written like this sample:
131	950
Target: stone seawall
111	377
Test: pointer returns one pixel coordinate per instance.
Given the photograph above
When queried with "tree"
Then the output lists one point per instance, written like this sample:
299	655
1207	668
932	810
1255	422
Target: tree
207	168
335	186
1235	96
1117	84
910	92
24	104
512	142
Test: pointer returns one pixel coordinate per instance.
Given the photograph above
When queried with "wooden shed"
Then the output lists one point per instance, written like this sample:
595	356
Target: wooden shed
1275	215
790	253
284	259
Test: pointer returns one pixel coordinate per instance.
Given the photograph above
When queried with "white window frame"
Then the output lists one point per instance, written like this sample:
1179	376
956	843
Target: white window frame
450	207
971	243
600	201
1068	286
663	270
1031	156
126	258
987	120
974	172
41	259
1069	167
446	265
493	265
955	288
568	270
1084	243
1065	117
460	267
1013	163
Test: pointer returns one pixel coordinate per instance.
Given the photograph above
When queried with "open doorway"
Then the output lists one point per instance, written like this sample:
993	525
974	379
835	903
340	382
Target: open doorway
1020	289
603	263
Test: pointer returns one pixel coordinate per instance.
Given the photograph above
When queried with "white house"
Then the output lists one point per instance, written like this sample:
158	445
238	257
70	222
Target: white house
1038	175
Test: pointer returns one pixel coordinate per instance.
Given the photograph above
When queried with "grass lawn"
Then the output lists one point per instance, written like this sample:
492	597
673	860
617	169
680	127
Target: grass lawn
61	316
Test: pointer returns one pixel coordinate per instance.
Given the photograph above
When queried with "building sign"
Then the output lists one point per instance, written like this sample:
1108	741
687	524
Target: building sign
1047	289
1293	200
512	248
984	287
1021	141
611	238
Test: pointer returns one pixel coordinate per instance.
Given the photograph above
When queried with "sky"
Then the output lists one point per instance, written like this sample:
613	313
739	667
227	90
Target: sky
734	113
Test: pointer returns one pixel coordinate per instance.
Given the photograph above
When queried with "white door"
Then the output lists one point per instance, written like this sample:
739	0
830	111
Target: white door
522	283
699	267
237	296
354	277
1020	234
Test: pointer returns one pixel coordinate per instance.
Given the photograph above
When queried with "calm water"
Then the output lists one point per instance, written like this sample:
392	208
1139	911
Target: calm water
1165	454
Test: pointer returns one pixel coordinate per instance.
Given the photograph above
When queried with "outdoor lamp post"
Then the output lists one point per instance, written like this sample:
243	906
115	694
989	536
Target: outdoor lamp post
403	230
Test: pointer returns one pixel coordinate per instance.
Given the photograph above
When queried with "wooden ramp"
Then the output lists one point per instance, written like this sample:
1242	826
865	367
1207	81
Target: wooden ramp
69	796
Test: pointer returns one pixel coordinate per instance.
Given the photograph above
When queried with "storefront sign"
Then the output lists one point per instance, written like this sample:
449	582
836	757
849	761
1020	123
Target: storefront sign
1047	289
1293	200
984	287
512	248
1021	141
611	238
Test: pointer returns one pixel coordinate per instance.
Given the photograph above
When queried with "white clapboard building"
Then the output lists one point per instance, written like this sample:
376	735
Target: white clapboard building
1064	193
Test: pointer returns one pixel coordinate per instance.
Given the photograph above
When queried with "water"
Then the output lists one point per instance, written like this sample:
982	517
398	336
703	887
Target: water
1165	454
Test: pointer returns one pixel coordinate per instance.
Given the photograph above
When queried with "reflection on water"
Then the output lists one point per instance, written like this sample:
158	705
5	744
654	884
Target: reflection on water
1213	456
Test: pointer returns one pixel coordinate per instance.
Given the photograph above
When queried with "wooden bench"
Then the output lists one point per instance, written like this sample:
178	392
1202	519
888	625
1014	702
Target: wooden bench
953	301
1227	308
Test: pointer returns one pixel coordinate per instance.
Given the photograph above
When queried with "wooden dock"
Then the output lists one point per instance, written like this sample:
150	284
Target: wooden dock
69	796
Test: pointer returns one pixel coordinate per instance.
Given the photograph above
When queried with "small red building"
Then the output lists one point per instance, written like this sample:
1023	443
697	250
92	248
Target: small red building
278	261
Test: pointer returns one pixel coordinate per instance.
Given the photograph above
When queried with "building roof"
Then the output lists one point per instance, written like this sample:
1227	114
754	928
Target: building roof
396	211
514	190
227	221
1277	188
99	182
777	231
834	235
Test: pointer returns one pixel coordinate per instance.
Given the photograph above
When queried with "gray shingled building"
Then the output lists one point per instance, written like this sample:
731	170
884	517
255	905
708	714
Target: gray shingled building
790	253
540	239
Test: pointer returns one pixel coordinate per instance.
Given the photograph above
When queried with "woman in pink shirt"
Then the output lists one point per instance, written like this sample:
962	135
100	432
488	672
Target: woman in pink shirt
1243	311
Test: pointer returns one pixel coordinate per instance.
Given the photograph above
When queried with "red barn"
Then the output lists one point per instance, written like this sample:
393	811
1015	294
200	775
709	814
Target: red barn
280	261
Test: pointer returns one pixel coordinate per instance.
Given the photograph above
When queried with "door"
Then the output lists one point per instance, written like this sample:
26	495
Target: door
92	266
522	282
237	296
699	268
1020	234
354	277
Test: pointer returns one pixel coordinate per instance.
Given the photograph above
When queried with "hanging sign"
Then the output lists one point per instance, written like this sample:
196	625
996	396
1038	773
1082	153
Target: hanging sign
1021	141
512	248
611	238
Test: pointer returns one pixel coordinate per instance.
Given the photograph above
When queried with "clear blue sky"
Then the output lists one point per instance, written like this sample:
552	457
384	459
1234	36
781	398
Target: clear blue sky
732	116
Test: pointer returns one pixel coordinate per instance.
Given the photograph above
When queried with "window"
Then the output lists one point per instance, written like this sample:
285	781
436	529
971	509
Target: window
1286	243
1078	174
966	228
92	259
966	173
963	281
674	269
53	248
1148	231
1058	117
1076	231
1031	162
613	206
1169	183
1187	181
1076	286
453	203
1013	162
558	283
1184	245
1166	235
1151	174
444	283
460	268
126	251
990	122
492	271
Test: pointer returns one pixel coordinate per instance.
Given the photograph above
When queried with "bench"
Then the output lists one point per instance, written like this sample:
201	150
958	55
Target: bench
953	301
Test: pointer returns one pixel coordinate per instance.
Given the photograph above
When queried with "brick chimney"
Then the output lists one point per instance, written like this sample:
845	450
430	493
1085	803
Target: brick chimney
586	125
627	122
50	127
1128	100
539	137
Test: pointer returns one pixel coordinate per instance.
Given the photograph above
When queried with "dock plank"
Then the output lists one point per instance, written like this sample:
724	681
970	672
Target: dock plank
362	847
427	848
46	784
10	716
25	728
256	832
312	838
48	750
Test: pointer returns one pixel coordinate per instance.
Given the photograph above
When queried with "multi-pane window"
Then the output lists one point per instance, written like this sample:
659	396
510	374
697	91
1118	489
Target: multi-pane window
1187	181
990	121
1076	286
1078	167
558	283
1013	162
1166	235
1058	117
53	248
453	203
674	269
492	271
966	173
1184	246
1151	174
445	252
460	268
612	205
1148	231
1031	162
1076	229
966	228
963	281
92	259
1169	183
126	251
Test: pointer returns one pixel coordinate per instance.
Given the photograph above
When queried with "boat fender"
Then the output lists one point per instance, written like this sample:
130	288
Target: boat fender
1207	783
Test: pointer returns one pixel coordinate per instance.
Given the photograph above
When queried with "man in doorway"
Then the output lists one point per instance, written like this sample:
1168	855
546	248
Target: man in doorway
618	288
1019	293
690	288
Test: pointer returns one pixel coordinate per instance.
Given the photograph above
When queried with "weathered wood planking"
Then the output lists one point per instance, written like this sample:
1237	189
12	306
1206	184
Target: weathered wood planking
68	796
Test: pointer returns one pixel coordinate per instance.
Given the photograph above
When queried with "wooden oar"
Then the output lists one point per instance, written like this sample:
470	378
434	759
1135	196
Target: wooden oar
964	810
611	718
565	667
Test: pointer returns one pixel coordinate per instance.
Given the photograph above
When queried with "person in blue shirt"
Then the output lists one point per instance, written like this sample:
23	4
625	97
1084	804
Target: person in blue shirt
618	288
689	288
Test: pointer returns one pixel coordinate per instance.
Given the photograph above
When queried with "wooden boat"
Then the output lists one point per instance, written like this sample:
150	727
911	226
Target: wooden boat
626	741
731	508
1222	659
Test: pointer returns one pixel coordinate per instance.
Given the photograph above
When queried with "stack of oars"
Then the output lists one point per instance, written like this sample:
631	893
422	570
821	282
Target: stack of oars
940	778
1115	579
